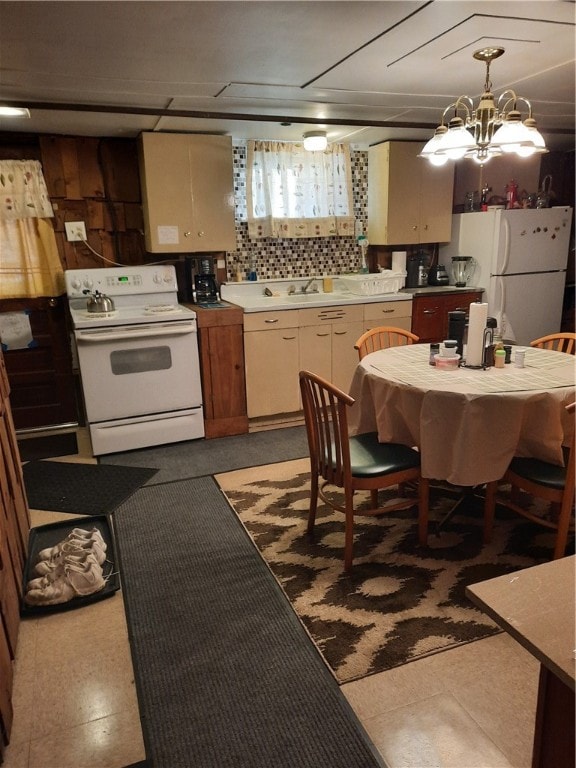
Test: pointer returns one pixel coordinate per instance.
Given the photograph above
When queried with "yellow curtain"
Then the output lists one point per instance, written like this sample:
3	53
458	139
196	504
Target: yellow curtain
29	263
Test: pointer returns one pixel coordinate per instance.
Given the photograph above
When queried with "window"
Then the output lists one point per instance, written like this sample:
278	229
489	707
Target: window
295	193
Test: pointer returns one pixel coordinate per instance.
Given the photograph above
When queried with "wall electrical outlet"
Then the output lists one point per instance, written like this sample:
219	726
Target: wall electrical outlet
75	231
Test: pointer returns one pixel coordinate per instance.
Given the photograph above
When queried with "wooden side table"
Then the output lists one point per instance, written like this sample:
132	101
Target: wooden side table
536	606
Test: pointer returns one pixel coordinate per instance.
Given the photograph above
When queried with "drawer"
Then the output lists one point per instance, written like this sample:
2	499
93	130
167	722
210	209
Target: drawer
387	310
268	321
351	313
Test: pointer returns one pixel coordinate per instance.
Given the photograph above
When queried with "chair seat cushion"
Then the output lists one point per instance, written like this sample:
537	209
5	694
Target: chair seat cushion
548	475
369	458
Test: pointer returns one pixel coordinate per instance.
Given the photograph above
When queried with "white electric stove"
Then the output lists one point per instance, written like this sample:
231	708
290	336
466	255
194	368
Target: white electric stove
139	363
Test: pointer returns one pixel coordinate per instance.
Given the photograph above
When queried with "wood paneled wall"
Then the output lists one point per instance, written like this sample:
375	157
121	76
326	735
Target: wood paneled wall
91	180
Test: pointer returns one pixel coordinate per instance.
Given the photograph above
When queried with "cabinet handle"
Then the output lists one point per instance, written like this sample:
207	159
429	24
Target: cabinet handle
275	320
200	234
340	333
415	227
387	311
288	338
322	335
425	226
429	311
187	234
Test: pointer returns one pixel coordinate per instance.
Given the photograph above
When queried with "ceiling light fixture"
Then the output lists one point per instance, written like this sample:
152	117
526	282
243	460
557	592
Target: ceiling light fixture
487	130
6	111
315	141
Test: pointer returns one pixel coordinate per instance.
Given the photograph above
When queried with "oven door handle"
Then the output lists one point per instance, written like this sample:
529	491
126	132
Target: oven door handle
104	336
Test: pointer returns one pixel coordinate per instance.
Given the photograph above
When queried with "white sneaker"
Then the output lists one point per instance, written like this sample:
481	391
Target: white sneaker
71	547
77	558
72	579
76	534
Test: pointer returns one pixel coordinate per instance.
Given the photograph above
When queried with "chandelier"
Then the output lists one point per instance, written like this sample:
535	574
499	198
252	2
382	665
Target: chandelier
487	130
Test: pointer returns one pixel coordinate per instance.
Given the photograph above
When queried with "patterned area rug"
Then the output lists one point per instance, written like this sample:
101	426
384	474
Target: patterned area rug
401	602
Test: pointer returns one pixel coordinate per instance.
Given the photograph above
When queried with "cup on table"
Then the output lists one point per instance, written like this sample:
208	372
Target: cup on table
519	355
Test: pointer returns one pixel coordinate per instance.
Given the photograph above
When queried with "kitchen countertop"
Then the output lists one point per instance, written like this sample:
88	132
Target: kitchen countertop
249	295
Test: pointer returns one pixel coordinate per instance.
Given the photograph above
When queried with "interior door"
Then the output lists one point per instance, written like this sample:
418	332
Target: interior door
43	391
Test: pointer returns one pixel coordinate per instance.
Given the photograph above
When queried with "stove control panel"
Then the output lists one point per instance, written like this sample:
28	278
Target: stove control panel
120	281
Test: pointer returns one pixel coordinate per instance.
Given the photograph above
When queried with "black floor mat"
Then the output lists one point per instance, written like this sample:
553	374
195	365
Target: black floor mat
81	489
47	446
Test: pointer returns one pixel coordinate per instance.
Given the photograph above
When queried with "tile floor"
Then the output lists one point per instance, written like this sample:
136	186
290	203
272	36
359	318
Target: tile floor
75	703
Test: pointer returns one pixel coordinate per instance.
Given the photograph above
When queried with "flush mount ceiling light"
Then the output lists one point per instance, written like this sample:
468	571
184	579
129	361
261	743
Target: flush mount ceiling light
6	111
486	130
315	141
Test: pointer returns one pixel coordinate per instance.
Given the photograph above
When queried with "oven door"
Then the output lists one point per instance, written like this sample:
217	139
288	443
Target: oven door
139	369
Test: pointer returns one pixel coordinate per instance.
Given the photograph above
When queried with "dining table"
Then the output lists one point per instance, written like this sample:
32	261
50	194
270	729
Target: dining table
468	423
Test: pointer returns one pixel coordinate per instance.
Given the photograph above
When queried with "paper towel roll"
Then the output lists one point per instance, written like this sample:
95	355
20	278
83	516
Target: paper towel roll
399	261
476	325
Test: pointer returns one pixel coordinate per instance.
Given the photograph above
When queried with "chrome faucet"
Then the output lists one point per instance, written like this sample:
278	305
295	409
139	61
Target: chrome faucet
304	288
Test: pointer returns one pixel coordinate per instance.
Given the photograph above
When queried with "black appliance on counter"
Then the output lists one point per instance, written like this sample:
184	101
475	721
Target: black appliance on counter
417	270
437	275
201	286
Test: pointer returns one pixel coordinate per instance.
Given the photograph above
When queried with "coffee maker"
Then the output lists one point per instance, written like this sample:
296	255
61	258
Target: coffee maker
201	280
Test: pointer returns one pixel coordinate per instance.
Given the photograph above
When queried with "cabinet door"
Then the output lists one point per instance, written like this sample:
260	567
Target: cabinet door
212	188
344	356
187	192
436	194
428	321
409	201
272	365
316	350
223	382
393	201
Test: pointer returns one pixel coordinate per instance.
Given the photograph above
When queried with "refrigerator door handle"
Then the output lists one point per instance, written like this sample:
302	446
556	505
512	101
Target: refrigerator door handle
506	224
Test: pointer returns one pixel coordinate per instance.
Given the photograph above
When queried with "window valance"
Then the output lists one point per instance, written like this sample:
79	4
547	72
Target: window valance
23	192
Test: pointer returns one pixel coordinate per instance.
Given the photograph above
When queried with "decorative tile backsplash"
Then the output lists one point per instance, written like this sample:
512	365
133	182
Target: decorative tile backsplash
286	257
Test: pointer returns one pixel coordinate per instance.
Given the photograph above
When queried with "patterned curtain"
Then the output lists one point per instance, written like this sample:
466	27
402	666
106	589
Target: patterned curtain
292	192
29	262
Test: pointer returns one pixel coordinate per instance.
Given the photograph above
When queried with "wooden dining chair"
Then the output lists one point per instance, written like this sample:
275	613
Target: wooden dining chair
546	481
561	342
358	463
382	337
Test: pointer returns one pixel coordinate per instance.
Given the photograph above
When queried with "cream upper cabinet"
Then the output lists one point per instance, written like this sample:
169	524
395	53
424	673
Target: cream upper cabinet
409	200
187	192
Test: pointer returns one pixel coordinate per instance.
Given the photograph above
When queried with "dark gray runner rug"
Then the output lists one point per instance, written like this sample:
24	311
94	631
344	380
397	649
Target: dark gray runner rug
226	674
195	458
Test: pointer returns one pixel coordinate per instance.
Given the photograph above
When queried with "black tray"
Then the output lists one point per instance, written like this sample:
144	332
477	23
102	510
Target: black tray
47	536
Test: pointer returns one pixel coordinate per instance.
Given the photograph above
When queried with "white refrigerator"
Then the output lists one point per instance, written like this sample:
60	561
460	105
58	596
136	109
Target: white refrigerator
521	258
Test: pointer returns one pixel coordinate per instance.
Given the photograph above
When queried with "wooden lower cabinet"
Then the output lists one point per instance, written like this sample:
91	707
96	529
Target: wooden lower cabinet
430	313
43	391
14	529
220	335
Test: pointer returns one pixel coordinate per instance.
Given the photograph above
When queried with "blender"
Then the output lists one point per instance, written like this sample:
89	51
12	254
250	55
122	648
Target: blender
463	267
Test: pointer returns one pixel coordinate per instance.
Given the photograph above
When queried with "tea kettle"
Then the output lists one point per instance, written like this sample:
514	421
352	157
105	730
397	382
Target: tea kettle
99	302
